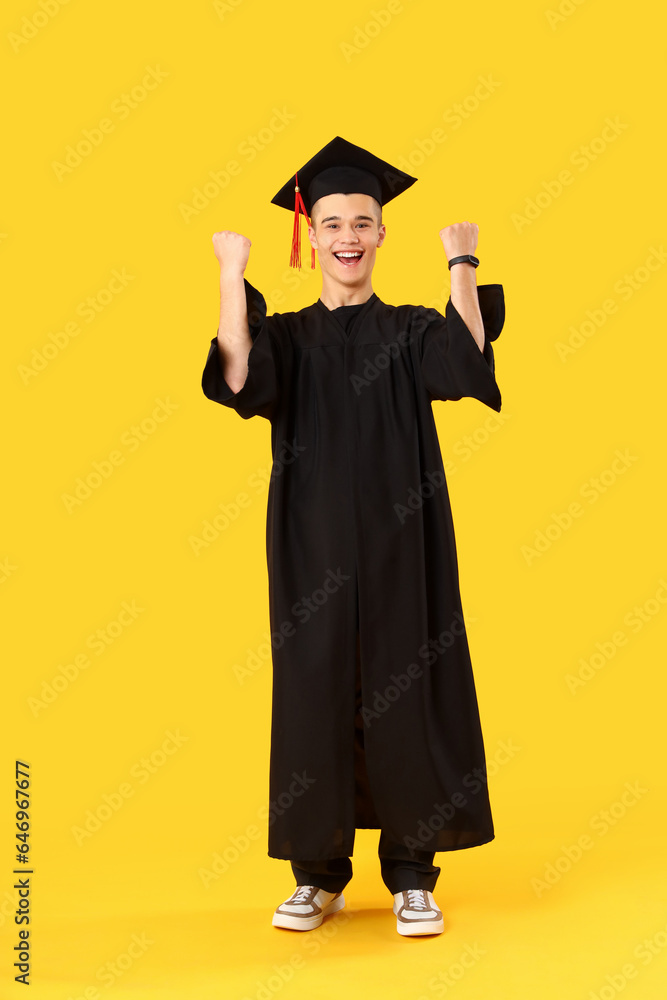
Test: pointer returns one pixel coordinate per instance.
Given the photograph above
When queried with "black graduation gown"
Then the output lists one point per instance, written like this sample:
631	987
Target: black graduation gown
363	573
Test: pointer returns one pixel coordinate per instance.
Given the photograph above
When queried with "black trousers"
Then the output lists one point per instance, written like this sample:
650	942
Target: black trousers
398	868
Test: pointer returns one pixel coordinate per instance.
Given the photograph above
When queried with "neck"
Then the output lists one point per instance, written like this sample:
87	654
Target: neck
335	295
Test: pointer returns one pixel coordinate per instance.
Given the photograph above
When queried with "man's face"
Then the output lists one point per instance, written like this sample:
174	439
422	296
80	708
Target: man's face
345	225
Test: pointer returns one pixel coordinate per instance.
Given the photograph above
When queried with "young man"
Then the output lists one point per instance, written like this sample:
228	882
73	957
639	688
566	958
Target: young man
375	720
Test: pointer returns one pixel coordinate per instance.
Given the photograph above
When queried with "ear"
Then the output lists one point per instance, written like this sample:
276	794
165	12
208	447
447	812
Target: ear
312	237
382	232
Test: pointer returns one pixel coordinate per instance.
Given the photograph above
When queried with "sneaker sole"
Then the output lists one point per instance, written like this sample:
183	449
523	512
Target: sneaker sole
420	927
294	923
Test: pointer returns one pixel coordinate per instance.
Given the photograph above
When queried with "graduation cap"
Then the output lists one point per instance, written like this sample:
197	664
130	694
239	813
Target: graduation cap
340	167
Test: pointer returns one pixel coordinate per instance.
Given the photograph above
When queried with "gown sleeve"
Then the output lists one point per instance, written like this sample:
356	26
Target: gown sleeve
258	396
452	364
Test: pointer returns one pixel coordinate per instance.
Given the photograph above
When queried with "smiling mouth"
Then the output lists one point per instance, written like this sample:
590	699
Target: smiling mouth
349	258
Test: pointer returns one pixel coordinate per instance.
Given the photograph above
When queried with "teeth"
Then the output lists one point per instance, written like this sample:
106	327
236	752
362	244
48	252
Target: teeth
344	254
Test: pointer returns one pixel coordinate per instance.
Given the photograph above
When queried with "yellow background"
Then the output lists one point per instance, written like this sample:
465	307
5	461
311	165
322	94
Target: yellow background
330	70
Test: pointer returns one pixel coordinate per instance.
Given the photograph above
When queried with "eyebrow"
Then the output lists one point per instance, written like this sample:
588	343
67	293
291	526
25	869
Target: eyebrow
337	218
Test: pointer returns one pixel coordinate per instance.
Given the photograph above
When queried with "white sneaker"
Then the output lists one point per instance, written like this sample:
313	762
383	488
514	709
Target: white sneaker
307	907
416	912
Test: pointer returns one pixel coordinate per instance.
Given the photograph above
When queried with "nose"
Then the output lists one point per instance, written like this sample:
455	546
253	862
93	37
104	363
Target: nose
349	235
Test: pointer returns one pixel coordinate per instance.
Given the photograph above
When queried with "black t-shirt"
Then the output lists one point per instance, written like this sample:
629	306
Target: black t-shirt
346	314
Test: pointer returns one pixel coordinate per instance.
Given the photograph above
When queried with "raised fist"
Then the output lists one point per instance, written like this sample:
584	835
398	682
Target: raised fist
459	238
231	249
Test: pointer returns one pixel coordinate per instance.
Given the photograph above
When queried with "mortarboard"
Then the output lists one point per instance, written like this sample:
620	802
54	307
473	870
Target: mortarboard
340	167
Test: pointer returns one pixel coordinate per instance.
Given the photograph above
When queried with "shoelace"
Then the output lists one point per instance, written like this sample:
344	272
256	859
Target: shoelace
417	899
301	894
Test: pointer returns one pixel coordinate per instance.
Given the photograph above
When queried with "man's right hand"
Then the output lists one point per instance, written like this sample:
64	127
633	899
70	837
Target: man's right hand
232	250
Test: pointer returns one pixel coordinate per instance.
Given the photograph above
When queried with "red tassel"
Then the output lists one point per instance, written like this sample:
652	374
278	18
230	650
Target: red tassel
299	207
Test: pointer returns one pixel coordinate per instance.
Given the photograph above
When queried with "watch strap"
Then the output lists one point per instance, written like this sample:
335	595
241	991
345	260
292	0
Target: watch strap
466	257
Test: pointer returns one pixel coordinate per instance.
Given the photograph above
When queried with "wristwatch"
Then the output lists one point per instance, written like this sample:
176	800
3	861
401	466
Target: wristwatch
467	257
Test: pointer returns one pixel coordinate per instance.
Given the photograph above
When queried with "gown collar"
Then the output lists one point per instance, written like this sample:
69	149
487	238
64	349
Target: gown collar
355	325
